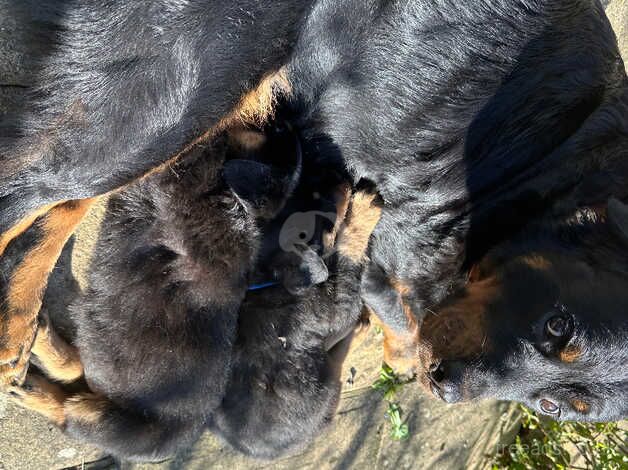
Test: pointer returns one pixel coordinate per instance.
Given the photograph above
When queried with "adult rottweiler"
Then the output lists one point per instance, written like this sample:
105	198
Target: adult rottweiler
480	124
484	125
473	120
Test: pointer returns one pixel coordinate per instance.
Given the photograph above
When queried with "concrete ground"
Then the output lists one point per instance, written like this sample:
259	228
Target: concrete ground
441	436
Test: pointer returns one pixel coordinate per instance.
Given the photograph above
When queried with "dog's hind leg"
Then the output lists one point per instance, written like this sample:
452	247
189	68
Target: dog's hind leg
58	359
25	266
94	419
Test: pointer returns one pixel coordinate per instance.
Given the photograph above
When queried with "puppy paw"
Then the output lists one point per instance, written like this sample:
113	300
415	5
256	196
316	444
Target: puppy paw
15	349
58	359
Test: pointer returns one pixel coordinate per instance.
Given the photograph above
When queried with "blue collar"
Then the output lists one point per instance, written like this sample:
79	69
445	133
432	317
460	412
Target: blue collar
264	285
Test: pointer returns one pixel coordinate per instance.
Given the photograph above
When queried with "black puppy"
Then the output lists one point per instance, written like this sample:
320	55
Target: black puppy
155	328
285	381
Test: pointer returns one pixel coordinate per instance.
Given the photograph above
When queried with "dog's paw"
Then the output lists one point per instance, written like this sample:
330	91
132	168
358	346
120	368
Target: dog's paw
41	396
363	215
401	354
15	349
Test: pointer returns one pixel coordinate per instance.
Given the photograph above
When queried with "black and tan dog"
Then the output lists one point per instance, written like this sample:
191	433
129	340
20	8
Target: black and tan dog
475	122
122	88
488	127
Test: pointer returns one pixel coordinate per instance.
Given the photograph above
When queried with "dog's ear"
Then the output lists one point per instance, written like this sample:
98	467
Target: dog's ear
617	214
380	296
263	188
302	271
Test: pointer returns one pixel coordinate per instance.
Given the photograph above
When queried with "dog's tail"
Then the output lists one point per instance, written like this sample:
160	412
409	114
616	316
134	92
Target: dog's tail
124	433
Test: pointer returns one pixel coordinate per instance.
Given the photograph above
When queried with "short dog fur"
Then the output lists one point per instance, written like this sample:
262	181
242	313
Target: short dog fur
155	328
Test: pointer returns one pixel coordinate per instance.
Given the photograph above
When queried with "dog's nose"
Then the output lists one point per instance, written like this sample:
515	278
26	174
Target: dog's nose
446	383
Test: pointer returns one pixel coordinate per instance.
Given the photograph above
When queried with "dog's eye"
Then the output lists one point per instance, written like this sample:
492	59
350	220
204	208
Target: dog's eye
558	326
554	330
549	407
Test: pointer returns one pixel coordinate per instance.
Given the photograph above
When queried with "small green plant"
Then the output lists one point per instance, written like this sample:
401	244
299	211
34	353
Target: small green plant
389	383
547	444
399	431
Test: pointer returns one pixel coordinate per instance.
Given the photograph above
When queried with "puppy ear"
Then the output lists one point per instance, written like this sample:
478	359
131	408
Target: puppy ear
617	214
262	189
303	271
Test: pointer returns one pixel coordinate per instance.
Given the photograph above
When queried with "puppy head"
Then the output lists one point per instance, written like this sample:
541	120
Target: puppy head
542	323
300	241
277	408
263	169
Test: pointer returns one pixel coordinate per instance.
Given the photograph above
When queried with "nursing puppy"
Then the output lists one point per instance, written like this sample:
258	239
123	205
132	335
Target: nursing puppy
155	328
285	380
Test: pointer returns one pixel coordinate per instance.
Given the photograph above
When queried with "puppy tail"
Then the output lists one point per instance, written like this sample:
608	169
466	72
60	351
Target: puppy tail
124	433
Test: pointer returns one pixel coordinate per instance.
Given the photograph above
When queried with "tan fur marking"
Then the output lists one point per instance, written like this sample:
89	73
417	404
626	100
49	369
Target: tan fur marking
401	350
21	227
457	331
59	360
87	408
28	283
580	406
254	108
258	106
42	397
355	234
343	198
30	278
246	139
570	354
537	262
400	287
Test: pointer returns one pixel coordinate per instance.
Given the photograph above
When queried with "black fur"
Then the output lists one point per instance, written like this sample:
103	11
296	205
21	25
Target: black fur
580	276
477	121
285	381
126	85
156	326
